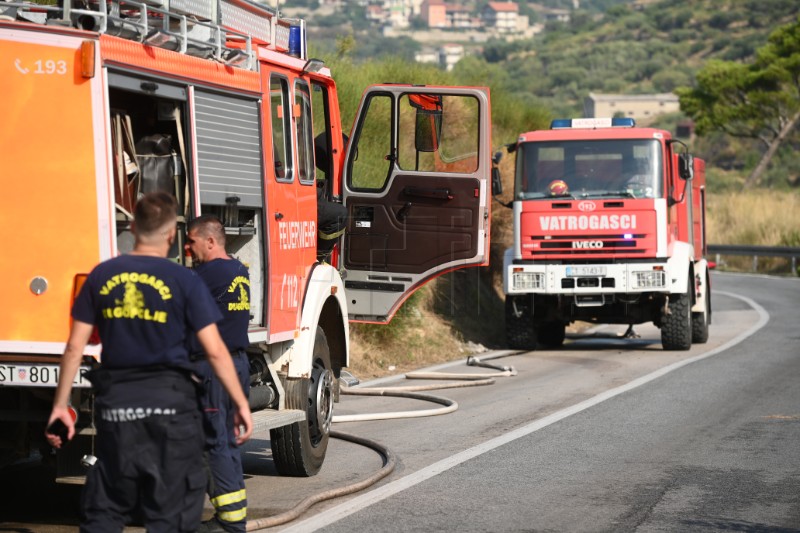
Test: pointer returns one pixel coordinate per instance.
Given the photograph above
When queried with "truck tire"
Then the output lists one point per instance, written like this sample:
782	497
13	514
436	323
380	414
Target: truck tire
299	448
701	320
520	331
676	326
552	334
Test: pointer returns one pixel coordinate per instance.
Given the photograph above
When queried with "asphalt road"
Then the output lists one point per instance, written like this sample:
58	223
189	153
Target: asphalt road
605	434
709	443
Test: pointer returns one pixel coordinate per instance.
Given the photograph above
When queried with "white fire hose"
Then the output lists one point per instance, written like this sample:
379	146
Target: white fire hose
464	380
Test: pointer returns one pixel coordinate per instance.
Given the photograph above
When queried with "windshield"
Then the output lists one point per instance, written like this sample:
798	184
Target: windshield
626	168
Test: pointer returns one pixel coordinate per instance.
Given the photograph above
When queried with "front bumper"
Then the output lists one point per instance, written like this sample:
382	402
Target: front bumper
587	279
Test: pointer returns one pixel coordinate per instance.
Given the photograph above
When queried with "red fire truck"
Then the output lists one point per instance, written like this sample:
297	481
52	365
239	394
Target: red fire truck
216	102
609	227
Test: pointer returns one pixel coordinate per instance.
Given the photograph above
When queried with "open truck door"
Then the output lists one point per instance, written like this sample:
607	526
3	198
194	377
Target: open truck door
417	189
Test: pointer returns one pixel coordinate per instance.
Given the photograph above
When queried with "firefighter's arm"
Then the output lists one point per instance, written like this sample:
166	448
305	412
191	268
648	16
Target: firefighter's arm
220	360
70	362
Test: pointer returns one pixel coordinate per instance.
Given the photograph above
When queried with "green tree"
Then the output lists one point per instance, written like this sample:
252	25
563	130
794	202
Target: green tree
668	79
760	100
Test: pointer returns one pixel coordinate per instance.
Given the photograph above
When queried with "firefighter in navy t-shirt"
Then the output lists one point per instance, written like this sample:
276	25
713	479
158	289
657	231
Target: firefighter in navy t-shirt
149	442
229	282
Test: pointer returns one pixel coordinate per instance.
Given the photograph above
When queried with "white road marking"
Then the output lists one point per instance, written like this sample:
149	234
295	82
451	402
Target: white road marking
381	493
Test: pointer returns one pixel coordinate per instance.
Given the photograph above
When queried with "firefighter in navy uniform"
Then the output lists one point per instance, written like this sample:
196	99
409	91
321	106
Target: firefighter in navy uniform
229	282
149	441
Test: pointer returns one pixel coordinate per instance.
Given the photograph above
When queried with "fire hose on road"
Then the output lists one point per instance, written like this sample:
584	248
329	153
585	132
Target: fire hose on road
413	392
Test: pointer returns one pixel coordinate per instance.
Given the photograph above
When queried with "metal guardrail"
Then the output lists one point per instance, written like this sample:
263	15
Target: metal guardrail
756	252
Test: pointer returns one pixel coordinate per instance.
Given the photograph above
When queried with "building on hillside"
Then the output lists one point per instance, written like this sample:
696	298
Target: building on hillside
427	55
416	7
449	55
399	12
461	17
637	106
376	14
389	13
434	13
445	56
440	14
685	129
501	16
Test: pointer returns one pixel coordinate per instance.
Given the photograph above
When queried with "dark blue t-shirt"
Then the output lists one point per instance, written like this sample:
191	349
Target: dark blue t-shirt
145	308
229	283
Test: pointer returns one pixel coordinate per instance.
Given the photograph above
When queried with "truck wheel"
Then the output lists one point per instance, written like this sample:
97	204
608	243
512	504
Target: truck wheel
299	449
551	334
520	331
676	327
701	320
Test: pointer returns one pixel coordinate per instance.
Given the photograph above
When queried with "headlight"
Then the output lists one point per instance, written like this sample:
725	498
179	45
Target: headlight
527	280
649	279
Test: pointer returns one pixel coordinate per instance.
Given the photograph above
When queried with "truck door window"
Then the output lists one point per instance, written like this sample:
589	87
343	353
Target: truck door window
438	133
323	159
305	139
373	142
281	114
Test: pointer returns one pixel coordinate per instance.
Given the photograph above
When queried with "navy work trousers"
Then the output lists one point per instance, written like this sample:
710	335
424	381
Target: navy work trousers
149	448
227	489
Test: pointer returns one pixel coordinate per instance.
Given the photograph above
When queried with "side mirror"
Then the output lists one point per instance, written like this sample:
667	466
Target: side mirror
497	183
686	166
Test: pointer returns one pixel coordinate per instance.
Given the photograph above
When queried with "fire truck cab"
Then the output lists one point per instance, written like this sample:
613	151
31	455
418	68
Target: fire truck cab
609	227
217	103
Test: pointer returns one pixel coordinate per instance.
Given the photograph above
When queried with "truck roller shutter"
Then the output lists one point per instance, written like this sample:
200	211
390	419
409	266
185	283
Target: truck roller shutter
228	149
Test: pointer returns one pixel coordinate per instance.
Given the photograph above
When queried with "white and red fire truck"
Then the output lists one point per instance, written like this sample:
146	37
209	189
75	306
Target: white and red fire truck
609	227
216	102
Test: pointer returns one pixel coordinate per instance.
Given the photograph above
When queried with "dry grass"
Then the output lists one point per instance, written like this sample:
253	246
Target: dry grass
416	337
758	217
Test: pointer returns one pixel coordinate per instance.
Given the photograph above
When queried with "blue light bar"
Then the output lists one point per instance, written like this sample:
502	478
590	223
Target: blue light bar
623	122
592	123
561	123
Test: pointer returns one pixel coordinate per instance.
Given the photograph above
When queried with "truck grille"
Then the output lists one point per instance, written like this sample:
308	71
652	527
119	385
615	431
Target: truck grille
584	245
588	243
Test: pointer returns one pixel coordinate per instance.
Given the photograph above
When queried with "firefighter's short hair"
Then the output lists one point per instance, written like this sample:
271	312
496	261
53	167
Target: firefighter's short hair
153	211
208	225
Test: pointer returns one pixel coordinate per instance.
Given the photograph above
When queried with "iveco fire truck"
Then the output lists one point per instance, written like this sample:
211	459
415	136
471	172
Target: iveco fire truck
609	227
216	102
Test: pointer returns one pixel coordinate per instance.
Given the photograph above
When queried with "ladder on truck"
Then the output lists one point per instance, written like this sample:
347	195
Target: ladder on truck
223	30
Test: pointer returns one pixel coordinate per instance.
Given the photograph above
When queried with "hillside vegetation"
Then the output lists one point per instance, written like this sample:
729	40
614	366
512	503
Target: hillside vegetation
655	47
608	47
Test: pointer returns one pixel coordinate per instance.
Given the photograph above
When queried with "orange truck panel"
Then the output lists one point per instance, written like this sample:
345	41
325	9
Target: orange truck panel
44	81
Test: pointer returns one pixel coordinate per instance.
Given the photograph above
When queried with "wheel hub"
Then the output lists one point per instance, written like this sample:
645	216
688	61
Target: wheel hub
321	410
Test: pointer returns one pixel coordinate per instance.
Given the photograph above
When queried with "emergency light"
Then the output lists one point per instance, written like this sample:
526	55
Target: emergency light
294	41
592	123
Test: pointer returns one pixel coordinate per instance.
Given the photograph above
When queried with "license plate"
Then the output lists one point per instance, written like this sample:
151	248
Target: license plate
585	270
25	375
